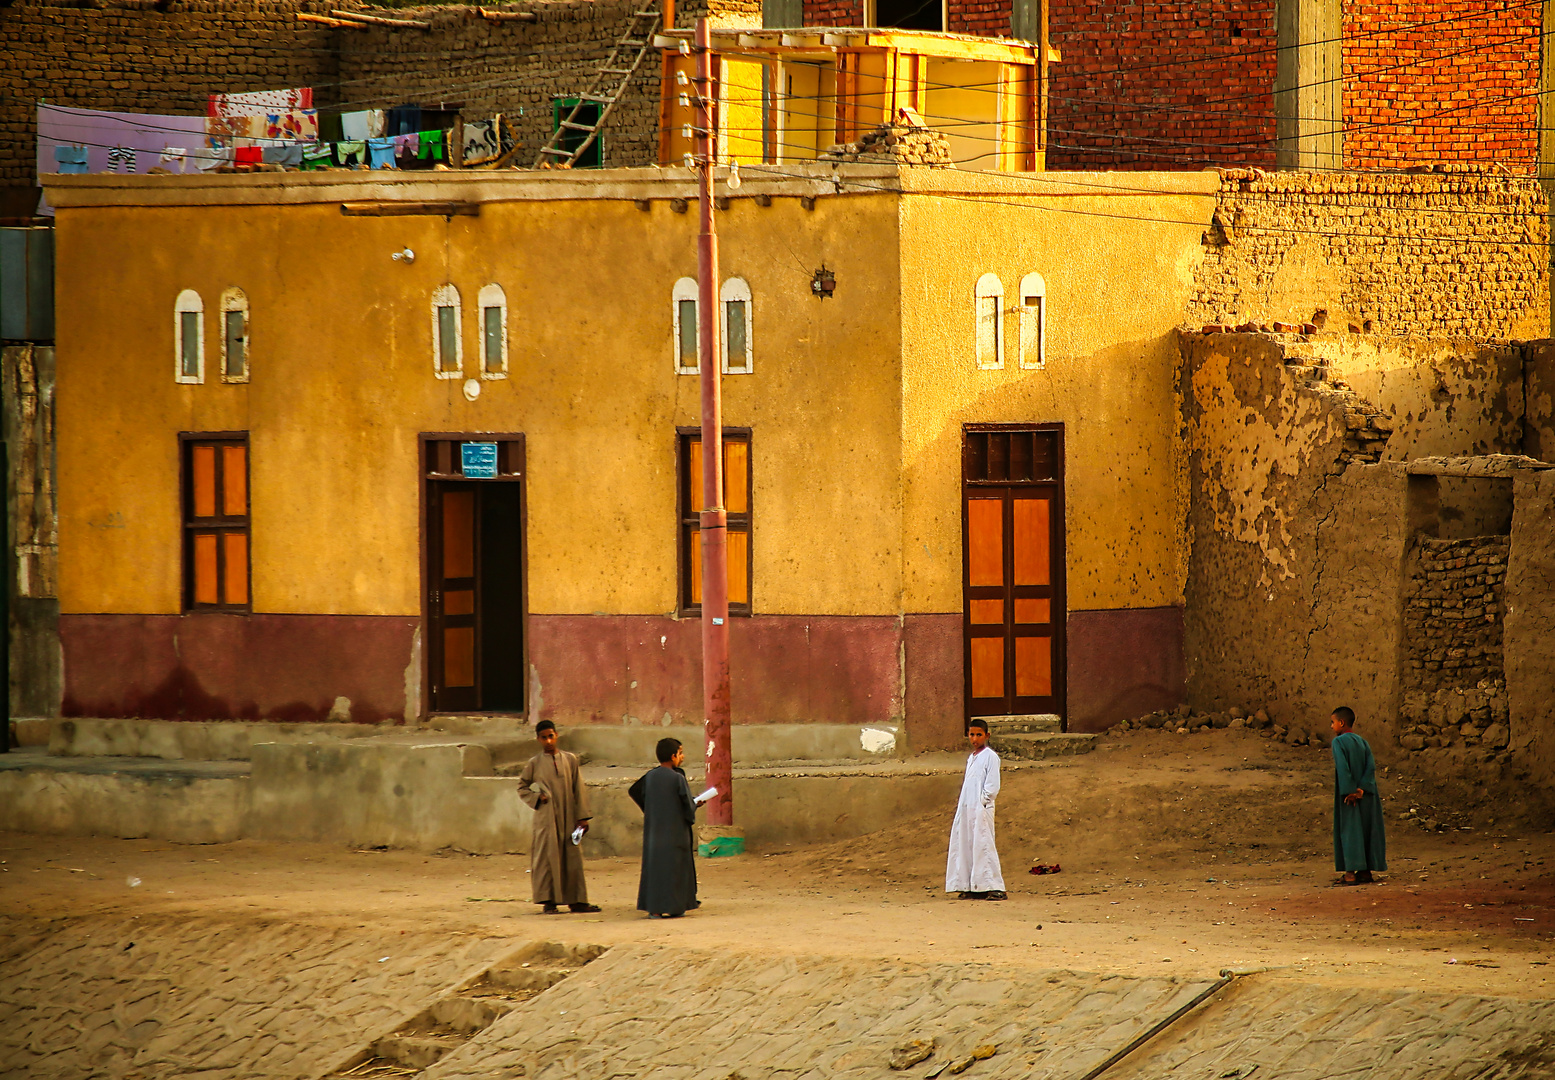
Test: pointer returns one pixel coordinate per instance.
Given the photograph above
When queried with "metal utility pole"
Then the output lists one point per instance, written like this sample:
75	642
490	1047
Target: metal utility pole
714	520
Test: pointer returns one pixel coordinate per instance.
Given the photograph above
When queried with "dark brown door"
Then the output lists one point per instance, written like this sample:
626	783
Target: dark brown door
475	586
1013	570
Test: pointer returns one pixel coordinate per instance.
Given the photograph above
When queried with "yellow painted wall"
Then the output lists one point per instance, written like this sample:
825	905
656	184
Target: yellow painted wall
1116	288
343	382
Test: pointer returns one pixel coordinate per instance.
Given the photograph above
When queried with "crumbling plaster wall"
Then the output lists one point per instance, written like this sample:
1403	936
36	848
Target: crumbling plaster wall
1529	626
1445	255
1443	397
1539	399
1294	586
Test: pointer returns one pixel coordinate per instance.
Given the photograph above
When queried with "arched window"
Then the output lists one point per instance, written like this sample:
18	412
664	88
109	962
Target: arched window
687	342
494	332
234	336
189	338
1033	321
735	300
990	322
447	345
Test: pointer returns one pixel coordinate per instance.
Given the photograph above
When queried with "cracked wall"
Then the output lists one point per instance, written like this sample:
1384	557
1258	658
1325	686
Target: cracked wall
1300	517
1293	586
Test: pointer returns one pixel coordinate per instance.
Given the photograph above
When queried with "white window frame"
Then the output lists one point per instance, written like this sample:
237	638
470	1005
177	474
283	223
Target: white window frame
234	299
735	290
448	296
492	296
685	289
989	287
1033	322
188	301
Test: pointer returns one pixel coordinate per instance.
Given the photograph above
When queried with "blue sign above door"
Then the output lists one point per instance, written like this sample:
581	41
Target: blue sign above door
479	460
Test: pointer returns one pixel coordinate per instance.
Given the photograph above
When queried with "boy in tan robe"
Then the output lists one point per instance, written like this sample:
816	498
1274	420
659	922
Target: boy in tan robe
552	787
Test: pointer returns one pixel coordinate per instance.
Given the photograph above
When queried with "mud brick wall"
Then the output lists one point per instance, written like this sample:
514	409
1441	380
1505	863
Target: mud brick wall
1161	85
1441	80
1452	254
1454	677
1453	614
126	56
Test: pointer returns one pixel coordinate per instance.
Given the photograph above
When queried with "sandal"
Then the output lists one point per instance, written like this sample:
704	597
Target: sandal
997	894
583	909
550	909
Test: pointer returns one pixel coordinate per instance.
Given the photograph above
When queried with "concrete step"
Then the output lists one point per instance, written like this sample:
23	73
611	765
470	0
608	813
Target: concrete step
1033	724
1039	746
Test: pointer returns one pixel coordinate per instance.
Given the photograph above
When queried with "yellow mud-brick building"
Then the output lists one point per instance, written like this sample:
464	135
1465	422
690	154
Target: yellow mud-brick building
386	445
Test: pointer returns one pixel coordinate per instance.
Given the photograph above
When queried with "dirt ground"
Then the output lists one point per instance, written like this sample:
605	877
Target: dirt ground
1180	855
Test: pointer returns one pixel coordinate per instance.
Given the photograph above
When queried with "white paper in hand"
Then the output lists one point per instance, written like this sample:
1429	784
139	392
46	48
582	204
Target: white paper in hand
705	796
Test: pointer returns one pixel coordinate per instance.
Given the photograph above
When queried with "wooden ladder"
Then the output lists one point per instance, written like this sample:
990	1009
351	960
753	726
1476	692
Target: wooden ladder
605	91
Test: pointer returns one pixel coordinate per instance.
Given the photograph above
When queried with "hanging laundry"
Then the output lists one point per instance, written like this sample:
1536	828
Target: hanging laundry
482	142
407	145
140	138
247	155
431	148
260	102
219	152
172	155
121	157
380	153
363	124
353	125
350	152
319	156
289	154
403	119
70	159
297	125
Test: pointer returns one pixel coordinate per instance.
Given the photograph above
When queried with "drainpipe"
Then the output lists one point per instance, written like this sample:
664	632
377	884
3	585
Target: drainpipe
714	521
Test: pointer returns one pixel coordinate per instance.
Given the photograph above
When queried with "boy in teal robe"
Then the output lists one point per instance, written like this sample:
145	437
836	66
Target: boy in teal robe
1359	845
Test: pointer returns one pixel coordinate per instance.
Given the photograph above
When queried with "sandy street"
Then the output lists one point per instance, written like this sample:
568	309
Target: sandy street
1181	855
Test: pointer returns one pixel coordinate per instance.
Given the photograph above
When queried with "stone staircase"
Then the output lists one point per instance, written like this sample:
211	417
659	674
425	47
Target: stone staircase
454	1019
1034	738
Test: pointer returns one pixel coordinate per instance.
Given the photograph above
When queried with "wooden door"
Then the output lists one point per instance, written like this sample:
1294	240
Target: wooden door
1013	570
454	619
474	573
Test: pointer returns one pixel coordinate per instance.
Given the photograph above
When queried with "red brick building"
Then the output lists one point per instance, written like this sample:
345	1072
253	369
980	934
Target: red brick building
1181	84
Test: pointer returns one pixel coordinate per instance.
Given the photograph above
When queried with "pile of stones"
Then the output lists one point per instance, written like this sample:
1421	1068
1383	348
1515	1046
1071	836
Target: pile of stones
907	141
1183	720
1457	716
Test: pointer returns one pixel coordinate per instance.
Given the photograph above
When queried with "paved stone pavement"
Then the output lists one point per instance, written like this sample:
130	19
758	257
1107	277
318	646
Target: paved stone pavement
655	1012
149	998
119	998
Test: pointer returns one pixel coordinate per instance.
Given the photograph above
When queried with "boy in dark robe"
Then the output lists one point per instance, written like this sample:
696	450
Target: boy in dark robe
1359	845
668	886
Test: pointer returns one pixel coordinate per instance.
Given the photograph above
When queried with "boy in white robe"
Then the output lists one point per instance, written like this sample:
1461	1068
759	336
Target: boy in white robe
972	869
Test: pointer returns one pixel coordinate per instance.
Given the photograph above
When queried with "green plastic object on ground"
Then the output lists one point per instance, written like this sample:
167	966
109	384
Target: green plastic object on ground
722	845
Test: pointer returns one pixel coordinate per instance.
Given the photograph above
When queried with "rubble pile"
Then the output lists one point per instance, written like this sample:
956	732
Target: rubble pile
905	141
1184	720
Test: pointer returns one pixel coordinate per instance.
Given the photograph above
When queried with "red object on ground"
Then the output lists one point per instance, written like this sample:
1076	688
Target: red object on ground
1041	869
